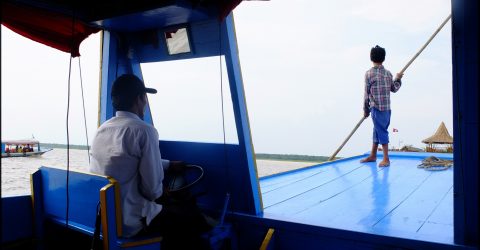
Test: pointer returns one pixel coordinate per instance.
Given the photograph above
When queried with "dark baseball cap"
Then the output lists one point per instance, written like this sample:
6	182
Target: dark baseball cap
129	84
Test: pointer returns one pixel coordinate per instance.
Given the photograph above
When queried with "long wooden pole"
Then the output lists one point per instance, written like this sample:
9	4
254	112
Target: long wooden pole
426	44
401	72
348	138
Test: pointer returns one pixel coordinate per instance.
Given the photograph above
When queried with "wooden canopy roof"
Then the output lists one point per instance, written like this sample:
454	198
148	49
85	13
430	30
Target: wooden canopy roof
440	137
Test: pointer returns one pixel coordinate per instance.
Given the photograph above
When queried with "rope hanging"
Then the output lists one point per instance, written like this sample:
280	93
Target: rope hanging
84	114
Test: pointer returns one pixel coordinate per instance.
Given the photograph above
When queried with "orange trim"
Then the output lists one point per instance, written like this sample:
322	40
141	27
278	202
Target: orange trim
267	239
103	207
118	207
32	194
142	242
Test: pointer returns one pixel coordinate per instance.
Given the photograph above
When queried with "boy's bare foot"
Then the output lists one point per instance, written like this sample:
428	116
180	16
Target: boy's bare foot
384	163
369	159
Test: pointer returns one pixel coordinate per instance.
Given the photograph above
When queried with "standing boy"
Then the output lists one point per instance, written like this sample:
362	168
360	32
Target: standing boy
378	84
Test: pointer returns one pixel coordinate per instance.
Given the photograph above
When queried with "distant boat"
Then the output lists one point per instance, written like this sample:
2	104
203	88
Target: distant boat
22	148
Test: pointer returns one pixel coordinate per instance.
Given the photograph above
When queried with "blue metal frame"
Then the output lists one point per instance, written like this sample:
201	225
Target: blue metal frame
240	108
108	72
136	70
115	64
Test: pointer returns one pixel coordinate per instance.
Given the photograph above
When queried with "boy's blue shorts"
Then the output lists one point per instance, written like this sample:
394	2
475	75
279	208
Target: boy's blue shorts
381	121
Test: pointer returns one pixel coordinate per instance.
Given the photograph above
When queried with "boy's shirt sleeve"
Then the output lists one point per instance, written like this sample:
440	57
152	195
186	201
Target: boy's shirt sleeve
397	83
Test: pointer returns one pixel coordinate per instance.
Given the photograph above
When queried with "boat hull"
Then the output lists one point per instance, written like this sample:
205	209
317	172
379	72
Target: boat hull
25	154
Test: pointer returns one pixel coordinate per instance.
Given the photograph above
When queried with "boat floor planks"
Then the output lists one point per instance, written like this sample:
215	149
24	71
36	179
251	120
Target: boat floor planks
401	200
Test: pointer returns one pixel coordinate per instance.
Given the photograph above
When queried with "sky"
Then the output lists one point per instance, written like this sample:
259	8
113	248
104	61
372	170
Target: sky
303	67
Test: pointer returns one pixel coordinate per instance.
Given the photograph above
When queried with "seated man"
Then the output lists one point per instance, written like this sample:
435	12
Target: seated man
126	148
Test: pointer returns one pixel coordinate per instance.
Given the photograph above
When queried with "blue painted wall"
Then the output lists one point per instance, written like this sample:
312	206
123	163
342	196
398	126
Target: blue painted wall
289	235
19	226
465	19
225	169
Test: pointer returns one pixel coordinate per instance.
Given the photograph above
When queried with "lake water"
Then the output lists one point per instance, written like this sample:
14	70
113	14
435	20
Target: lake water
16	170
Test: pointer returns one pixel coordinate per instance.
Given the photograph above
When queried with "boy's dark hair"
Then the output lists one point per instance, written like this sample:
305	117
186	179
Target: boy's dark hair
377	54
126	89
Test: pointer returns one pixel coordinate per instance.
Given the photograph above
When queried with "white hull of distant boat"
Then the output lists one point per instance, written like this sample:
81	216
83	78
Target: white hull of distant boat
24	154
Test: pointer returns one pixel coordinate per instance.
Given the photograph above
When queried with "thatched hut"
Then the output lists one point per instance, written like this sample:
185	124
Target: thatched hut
441	141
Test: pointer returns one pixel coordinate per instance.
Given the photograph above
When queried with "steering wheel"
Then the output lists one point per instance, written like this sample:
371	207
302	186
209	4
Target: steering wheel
182	181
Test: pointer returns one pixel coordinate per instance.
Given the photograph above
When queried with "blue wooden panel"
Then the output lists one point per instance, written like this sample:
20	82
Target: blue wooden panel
108	75
115	64
237	92
83	195
440	221
225	171
137	70
271	184
204	40
415	212
298	190
292	235
181	12
19	226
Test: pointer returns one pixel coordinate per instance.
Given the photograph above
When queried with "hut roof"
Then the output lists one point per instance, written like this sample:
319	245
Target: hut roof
440	137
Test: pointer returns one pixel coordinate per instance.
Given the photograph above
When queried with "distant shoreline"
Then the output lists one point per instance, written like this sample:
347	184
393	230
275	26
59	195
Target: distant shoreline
63	146
259	156
292	157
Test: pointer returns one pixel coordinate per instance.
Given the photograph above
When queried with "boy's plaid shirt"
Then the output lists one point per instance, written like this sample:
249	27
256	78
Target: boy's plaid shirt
378	84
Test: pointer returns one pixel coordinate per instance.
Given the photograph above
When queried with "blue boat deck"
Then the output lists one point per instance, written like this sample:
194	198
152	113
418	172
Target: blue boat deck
400	201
